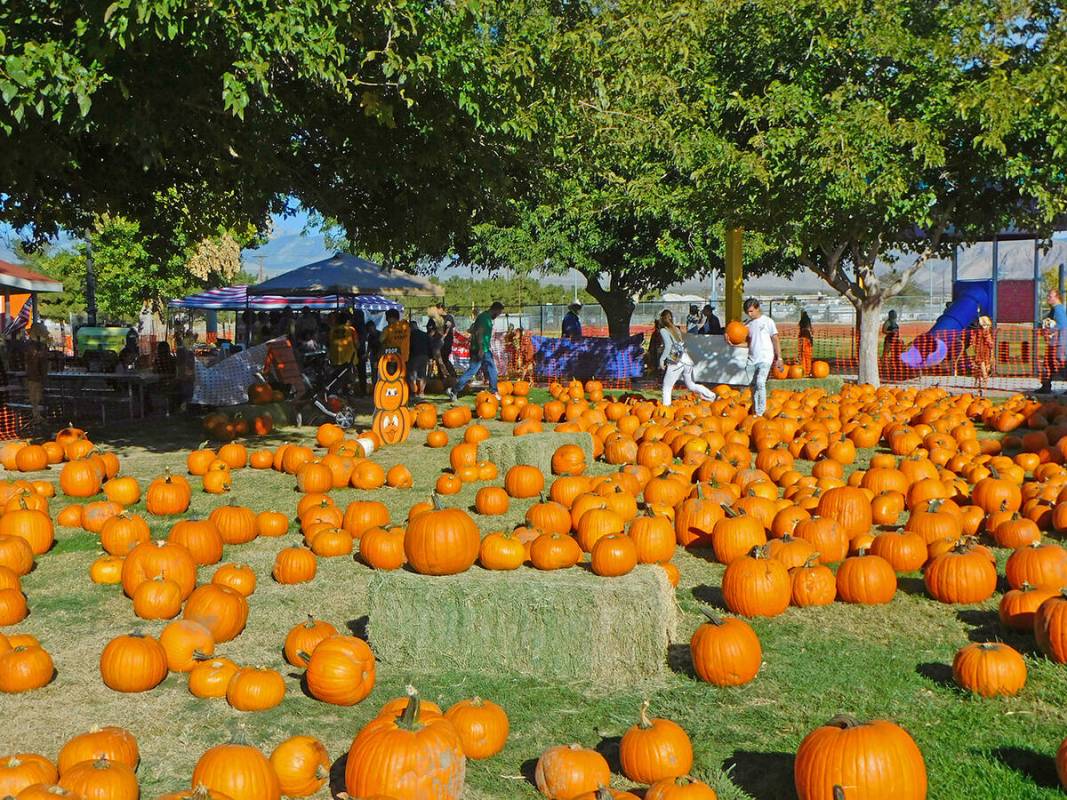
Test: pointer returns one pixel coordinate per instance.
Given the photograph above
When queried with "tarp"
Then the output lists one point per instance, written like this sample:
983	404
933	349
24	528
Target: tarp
345	274
592	357
14	277
236	298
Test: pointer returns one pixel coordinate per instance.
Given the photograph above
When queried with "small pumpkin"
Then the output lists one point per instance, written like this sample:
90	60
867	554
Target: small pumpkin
655	749
725	651
133	663
482	727
989	669
302	764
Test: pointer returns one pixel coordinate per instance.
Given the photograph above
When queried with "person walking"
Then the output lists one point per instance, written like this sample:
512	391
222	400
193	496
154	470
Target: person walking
1055	326
675	361
764	352
805	342
481	332
572	323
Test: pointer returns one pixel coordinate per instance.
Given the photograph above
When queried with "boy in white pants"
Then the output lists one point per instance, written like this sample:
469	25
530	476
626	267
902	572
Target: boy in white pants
763	353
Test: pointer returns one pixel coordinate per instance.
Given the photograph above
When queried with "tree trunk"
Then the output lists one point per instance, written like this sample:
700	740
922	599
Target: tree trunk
617	304
869	315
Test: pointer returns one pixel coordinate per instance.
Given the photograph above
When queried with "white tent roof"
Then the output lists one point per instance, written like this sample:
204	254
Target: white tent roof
345	274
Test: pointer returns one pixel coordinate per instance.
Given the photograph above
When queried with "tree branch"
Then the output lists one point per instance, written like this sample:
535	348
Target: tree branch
898	285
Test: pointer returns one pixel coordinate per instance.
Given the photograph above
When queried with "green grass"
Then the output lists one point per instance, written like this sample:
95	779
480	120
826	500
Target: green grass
890	662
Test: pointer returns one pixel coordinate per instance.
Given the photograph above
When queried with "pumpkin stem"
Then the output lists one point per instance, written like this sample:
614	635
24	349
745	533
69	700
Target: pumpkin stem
712	616
409	718
436	500
645	722
843	721
304	655
603	793
839	793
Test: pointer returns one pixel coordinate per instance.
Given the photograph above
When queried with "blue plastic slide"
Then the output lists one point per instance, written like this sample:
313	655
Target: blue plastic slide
970	300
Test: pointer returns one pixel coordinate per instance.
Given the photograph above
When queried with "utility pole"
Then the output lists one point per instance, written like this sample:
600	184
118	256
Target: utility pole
90	286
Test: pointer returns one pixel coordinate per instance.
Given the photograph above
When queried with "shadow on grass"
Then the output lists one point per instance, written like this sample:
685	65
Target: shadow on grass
337	775
680	660
938	673
710	595
765	776
984	625
528	770
609	748
1038	767
912	586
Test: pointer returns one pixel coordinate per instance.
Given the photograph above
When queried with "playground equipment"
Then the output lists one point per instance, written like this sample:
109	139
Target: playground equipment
970	299
1010	291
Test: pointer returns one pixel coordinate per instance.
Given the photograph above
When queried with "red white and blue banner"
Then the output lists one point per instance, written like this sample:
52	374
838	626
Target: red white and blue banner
236	298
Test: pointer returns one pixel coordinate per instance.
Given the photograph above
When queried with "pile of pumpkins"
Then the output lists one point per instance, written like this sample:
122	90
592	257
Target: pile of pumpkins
707	476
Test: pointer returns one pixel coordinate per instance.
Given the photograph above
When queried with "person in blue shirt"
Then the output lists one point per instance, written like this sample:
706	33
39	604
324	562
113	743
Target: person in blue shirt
1056	349
572	323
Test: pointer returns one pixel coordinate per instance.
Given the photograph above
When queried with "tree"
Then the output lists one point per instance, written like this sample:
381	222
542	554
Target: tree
515	291
396	118
606	196
128	275
847	131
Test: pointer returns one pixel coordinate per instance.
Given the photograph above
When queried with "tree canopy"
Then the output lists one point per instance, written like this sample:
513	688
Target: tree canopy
391	117
845	132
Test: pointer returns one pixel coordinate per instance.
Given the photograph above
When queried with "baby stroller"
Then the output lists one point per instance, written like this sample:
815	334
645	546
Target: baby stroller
328	390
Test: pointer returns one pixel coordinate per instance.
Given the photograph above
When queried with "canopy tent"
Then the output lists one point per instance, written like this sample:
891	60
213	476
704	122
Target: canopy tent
18	279
238	298
345	274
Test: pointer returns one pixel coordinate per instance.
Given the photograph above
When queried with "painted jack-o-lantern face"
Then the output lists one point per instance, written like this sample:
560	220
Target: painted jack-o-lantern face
391	390
392	427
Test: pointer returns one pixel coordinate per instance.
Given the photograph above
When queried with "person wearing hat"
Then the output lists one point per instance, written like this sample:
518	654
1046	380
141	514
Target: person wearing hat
572	323
481	332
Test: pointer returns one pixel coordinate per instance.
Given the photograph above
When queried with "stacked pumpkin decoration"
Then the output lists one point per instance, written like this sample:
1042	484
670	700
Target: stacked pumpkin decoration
392	419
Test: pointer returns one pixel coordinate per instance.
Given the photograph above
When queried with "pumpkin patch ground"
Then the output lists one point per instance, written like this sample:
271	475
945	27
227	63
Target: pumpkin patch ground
568	655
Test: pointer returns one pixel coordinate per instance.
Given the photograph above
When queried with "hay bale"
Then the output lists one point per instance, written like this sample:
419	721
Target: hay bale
535	449
566	626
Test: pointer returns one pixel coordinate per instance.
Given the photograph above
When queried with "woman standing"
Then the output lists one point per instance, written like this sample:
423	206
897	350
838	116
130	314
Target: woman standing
805	342
675	361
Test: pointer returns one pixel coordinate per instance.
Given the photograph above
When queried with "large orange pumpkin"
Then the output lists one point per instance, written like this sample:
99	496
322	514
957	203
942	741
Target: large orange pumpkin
443	541
407	758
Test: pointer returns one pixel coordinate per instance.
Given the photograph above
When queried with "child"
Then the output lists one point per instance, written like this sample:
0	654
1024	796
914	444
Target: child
764	353
983	353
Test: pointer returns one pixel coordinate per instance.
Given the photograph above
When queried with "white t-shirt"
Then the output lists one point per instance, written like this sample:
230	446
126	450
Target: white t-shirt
760	347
